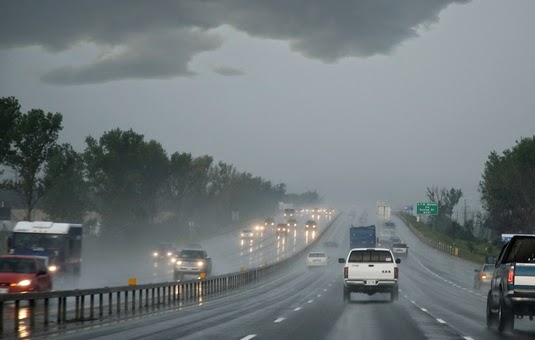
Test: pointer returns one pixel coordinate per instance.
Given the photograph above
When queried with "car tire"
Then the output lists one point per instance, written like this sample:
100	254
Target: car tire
491	317
347	295
506	318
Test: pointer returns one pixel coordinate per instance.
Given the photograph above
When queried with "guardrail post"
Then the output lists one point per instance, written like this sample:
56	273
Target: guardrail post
118	303
32	313
77	307
1	318
147	298
153	297
91	306
46	310
59	311
126	301
16	318
100	306
82	307
133	300
158	295
110	305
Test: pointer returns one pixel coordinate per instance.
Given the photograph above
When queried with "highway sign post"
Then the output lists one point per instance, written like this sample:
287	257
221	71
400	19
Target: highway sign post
426	208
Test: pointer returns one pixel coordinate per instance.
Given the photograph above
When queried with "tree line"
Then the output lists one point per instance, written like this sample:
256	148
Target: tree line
128	180
507	189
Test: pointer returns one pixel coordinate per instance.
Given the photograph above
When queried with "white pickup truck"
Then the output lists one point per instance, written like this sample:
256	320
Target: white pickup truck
370	271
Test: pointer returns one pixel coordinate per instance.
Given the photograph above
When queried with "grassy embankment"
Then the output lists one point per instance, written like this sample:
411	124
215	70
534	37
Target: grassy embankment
474	251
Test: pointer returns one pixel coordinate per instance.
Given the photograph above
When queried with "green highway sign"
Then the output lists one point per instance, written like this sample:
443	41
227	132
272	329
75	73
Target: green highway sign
426	208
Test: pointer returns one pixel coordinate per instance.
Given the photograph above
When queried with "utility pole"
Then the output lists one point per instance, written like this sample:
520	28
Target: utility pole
464	213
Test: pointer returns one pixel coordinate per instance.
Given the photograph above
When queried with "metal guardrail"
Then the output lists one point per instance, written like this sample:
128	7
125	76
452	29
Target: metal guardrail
101	304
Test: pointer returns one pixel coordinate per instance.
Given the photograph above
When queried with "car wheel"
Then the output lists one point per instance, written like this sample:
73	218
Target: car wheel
347	295
506	318
491	317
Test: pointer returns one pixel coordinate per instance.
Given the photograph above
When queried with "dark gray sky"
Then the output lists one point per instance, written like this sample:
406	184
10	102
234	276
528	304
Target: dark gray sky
361	100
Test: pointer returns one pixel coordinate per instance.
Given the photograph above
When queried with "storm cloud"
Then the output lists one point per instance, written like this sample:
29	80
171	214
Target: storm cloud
159	39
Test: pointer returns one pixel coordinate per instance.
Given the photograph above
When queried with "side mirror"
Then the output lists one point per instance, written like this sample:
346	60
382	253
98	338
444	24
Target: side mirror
341	260
398	261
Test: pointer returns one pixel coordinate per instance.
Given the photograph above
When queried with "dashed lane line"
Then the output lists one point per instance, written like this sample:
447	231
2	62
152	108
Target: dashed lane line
279	320
296	309
441	321
248	337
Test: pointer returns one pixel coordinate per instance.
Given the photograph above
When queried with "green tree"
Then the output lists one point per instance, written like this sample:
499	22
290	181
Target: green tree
446	201
9	113
66	198
33	140
125	174
508	188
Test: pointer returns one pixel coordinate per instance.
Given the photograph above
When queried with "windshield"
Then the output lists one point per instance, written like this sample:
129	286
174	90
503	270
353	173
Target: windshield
17	265
38	241
191	254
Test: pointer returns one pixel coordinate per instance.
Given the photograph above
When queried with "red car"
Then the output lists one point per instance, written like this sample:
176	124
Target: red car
20	274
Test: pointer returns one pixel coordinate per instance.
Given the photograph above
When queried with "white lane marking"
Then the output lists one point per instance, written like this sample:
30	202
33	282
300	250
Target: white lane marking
400	290
325	290
406	297
425	310
319	295
250	336
413	302
330	285
279	320
467	338
310	301
296	309
441	321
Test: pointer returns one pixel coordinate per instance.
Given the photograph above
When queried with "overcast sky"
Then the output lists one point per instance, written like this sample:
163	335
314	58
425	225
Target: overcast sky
361	100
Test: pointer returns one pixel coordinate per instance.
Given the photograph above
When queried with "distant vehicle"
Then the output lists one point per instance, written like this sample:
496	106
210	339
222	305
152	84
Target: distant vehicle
289	212
246	234
310	225
20	274
333	244
60	243
164	251
259	228
192	261
292	223
400	250
483	275
389	225
370	271
512	289
395	239
269	222
282	229
362	237
315	259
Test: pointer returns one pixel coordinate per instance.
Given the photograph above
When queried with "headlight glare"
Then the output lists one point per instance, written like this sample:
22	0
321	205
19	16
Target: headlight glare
24	283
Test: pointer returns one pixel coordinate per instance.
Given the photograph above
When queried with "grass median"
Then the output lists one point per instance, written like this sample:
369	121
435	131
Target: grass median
471	250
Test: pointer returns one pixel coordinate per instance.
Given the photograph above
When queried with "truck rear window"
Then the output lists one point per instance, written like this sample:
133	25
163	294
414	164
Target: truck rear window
370	256
523	251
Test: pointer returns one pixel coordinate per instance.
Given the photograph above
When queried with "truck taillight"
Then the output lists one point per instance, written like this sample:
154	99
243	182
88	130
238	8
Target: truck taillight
511	276
396	272
345	272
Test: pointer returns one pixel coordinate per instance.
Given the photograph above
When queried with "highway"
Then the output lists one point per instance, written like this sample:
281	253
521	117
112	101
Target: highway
437	301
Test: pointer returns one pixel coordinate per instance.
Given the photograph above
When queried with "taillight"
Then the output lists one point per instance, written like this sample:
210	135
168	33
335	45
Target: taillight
396	272
345	272
511	276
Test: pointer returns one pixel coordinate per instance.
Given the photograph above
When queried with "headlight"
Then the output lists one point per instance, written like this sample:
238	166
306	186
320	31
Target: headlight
155	254
173	260
169	254
178	262
200	264
24	283
53	268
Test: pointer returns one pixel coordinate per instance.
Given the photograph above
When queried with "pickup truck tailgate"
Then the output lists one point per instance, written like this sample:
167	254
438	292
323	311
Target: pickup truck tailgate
364	271
524	277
